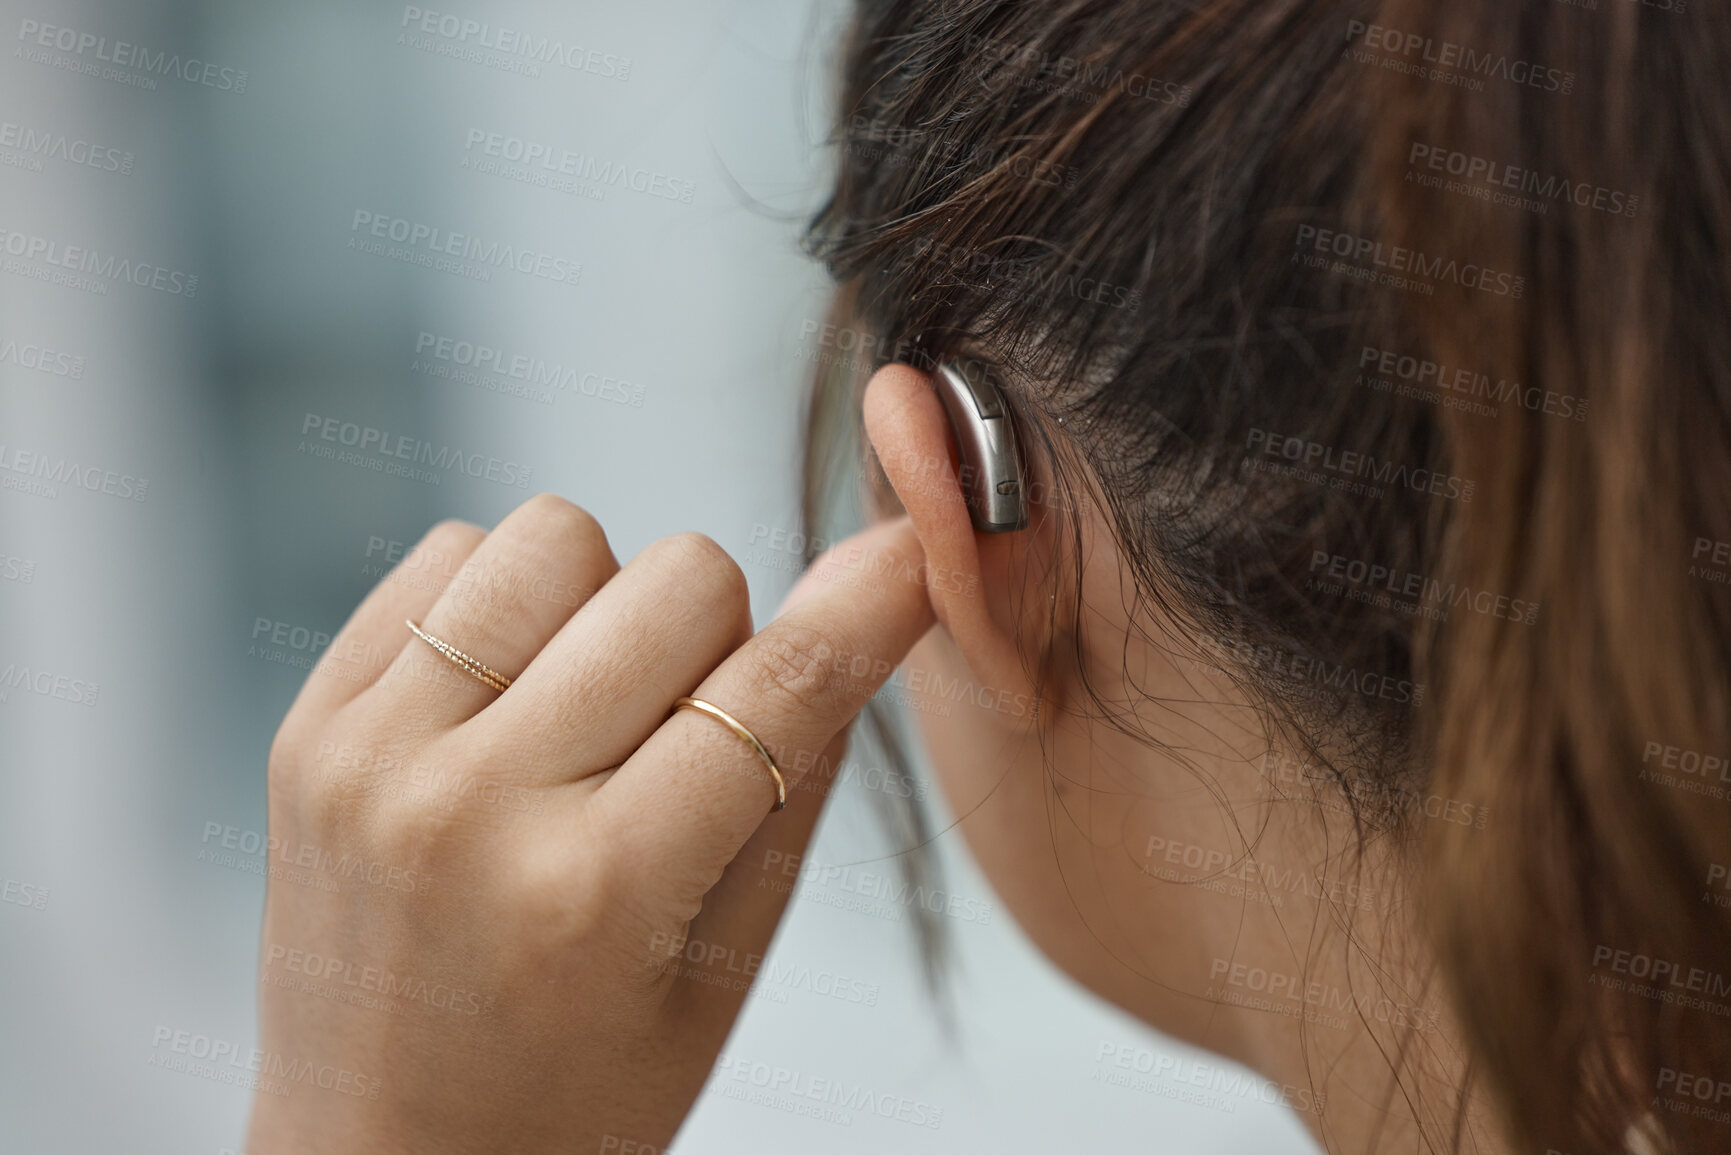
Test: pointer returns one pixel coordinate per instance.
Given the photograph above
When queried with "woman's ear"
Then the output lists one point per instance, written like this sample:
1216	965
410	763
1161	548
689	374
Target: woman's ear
980	583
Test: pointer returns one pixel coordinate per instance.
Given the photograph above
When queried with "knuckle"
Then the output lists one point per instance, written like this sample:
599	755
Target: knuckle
432	832
284	757
434	560
296	764
454	531
795	664
443	545
404	830
484	601
548	549
548	513
546	504
542	553
708	570
572	895
327	805
598	902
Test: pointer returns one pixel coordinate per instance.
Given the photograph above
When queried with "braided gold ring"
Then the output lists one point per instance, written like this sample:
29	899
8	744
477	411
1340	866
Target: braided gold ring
458	658
737	727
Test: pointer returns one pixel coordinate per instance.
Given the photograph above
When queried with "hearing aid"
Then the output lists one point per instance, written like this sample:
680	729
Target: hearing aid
986	440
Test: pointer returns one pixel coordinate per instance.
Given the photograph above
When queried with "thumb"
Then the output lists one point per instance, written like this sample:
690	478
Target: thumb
849	556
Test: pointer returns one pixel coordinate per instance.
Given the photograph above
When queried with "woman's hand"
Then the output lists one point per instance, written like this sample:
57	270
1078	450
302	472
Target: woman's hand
479	901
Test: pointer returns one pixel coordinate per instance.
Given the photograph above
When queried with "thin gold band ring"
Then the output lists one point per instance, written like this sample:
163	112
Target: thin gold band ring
458	658
737	727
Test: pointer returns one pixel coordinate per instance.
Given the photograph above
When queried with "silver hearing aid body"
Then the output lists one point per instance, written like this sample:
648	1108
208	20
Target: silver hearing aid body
991	462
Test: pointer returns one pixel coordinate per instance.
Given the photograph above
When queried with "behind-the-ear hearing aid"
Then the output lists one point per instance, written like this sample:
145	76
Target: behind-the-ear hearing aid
991	462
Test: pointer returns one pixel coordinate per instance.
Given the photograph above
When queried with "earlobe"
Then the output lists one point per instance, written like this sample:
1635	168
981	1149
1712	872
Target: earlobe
976	581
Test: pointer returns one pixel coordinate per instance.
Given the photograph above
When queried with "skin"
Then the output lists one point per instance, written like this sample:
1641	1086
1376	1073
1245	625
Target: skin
1163	877
565	886
560	842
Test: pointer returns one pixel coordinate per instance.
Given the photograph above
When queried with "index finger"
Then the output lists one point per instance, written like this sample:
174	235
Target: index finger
684	804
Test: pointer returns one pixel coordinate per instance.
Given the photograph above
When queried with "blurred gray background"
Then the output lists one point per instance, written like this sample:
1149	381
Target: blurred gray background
159	605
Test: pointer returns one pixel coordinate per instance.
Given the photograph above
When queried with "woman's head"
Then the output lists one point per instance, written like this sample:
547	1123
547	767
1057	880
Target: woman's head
1371	355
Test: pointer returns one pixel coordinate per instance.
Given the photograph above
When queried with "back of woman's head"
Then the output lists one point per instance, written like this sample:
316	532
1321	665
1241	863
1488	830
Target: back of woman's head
1392	340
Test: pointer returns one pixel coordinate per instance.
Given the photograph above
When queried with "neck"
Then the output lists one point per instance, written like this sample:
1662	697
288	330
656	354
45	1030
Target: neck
1303	956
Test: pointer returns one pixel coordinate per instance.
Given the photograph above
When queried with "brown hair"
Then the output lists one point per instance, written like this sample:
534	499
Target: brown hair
1183	231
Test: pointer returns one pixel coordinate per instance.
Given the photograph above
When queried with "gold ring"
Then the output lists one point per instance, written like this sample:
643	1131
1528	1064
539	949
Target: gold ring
734	724
482	672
